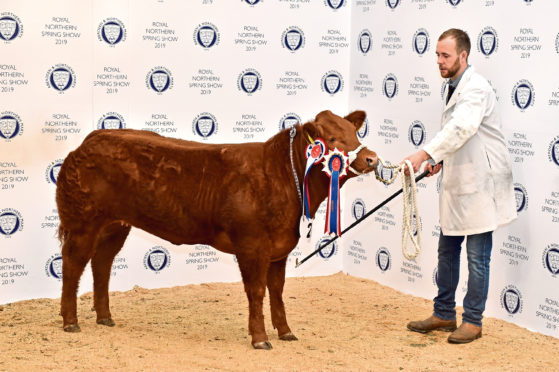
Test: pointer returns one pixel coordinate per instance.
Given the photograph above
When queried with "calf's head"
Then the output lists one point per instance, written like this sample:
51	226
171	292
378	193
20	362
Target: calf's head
341	133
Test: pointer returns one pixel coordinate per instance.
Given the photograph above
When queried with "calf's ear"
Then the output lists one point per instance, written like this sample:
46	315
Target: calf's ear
357	118
312	130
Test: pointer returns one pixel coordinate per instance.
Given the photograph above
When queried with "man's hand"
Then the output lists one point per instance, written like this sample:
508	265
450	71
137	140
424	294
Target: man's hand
419	158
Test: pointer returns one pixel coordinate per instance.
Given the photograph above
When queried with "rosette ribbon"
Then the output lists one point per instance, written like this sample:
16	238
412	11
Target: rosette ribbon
336	164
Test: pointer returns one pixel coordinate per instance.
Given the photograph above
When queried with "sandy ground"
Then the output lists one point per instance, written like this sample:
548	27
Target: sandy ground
343	324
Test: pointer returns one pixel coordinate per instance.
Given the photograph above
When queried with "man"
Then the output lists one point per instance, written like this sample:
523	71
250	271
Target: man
477	193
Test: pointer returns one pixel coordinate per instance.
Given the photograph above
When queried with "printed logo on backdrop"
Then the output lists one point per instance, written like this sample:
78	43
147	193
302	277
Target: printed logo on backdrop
364	130
332	82
523	95
358	209
157	259
159	79
10	222
204	125
390	86
392	4
487	41
550	259
10	125
252	2
436	277
416	133
206	35
329	251
111	31
454	3
289	120
421	41
385	172
51	173
511	300
383	259
111	120
10	27
249	81
53	267
553	151
521	196
557	43
293	39
61	77
335	4
364	41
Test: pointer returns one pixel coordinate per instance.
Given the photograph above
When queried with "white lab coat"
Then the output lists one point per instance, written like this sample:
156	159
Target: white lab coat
477	192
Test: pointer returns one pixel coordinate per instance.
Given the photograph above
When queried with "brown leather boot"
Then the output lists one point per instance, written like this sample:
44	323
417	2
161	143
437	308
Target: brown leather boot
467	332
432	323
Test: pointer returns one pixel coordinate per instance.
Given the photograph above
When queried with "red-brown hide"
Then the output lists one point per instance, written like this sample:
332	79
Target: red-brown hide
237	198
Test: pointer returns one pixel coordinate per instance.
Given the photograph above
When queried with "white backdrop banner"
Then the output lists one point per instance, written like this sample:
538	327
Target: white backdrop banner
238	71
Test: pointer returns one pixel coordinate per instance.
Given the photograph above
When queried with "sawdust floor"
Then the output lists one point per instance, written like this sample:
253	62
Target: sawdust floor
343	324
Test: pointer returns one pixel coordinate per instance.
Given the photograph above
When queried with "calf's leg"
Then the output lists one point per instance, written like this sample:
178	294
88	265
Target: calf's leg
253	270
77	250
110	241
276	281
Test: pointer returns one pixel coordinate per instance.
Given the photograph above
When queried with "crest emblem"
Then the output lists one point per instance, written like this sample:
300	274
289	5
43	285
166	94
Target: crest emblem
53	267
61	78
416	133
365	41
358	209
521	197
487	41
52	171
383	259
204	125
385	172
511	300
329	251
159	79
551	259
293	39
364	130
523	95
111	31
157	259
335	4
10	125
10	27
390	86
252	2
332	82
111	120
421	41
454	2
206	35
553	151
289	120
10	222
249	81
392	4
557	43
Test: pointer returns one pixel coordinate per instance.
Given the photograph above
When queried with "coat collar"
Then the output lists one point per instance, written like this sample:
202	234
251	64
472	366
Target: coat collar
463	81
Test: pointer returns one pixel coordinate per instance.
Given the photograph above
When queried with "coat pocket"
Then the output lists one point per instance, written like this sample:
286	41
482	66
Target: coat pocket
461	179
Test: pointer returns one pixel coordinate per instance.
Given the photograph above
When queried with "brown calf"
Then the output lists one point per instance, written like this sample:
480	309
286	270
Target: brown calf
237	198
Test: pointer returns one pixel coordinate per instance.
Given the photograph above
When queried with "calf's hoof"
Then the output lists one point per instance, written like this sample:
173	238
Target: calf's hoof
72	328
288	337
262	345
106	322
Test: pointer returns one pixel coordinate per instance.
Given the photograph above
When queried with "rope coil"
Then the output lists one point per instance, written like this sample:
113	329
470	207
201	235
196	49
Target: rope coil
411	210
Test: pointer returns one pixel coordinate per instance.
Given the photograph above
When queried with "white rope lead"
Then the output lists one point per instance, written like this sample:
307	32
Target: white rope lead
411	210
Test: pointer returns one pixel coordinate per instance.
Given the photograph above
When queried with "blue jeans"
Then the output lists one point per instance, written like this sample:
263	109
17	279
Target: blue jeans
479	255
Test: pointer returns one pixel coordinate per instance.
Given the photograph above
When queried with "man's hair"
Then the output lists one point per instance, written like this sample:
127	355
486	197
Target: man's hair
462	40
